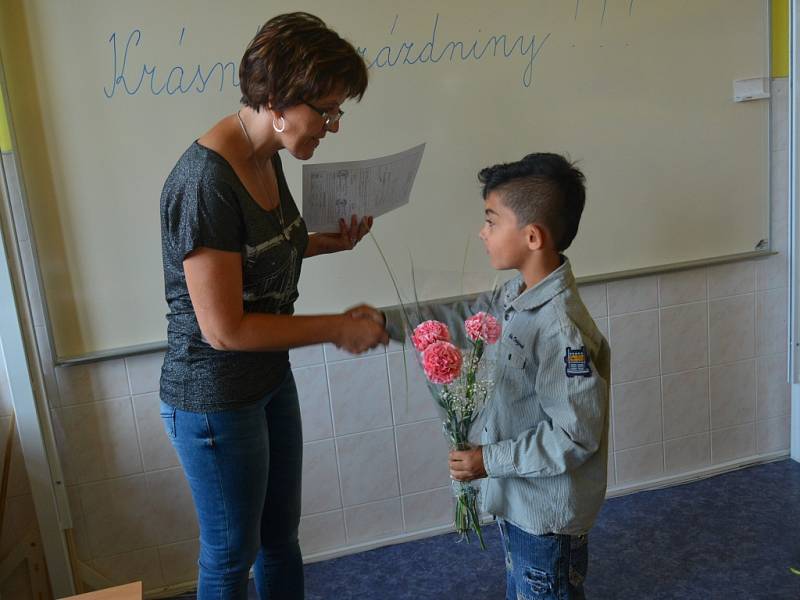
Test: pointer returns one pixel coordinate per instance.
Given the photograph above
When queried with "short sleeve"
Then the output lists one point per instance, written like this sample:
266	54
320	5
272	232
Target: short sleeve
204	214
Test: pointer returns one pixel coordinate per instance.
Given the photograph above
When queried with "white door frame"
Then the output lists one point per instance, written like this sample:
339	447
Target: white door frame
794	228
14	359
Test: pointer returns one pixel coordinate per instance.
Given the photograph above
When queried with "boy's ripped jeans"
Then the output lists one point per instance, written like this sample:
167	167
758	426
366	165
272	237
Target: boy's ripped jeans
544	567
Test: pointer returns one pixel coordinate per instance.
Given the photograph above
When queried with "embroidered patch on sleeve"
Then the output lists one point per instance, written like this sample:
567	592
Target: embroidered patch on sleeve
577	362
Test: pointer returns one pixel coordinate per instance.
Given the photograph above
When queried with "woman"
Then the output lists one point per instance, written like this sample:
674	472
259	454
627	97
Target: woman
233	242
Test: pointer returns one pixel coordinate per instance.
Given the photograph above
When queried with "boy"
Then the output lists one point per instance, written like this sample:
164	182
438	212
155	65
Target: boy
544	448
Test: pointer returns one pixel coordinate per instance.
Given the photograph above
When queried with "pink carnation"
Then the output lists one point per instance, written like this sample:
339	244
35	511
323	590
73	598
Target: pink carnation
428	332
483	326
442	362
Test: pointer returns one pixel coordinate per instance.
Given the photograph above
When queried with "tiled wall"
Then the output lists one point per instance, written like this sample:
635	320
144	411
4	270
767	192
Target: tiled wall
699	380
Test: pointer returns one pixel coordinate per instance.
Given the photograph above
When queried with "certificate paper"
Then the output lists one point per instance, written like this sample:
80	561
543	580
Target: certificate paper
333	191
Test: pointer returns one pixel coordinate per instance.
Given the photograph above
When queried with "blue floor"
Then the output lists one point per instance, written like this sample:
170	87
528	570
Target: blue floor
730	537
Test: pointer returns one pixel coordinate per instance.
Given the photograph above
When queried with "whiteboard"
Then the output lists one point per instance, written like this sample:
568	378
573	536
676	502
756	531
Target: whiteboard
106	94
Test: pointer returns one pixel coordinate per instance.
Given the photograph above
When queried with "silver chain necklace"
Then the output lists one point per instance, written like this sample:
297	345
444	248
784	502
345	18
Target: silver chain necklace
261	177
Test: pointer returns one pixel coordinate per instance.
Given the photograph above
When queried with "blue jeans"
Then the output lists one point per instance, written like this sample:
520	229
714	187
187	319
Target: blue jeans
544	567
244	468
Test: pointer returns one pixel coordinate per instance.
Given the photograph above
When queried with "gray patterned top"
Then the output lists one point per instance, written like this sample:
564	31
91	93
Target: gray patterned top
204	204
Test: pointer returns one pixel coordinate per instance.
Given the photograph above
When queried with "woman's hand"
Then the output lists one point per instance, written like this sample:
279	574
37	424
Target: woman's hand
360	330
345	239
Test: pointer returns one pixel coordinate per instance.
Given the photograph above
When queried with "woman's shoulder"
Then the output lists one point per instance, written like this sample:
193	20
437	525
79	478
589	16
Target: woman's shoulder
200	167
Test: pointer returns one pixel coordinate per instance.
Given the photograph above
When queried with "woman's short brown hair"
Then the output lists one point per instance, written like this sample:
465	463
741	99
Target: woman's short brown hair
295	57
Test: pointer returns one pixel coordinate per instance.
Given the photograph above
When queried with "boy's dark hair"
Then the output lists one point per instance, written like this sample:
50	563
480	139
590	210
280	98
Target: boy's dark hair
542	188
296	57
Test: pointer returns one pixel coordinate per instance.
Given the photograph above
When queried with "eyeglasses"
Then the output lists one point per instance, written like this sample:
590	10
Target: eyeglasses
330	120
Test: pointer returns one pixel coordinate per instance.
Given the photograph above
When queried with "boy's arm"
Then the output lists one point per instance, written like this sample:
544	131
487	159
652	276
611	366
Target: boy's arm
576	402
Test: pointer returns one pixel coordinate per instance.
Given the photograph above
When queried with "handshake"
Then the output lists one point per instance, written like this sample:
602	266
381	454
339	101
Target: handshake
361	328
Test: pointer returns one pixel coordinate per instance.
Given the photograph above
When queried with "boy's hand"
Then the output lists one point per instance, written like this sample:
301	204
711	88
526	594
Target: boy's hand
466	465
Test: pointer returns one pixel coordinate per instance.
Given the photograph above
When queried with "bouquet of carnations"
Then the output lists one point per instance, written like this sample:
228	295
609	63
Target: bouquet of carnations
460	381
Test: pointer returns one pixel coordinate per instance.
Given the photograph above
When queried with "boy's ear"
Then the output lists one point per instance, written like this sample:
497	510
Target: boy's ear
536	236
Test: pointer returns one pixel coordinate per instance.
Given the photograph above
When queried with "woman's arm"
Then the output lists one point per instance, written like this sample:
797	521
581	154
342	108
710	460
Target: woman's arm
214	280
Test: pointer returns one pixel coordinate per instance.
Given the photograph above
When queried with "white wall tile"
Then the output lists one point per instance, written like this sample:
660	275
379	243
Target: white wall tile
422	456
637	413
773	434
157	450
684	337
373	521
631	295
321	532
731	279
79	530
640	464
179	561
687	454
320	478
174	514
416	405
602	325
425	510
594	298
332	353
771	321
779	201
307	355
682	287
772	272
773	392
97	441
611	477
733	394
735	442
119	515
731	329
686	403
94	381
144	372
315	402
360	395
139	565
367	467
634	346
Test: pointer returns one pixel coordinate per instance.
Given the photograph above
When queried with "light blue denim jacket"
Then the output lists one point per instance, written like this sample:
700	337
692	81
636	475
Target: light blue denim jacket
545	440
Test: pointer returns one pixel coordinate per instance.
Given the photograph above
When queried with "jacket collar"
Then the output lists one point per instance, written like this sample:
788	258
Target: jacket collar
544	291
